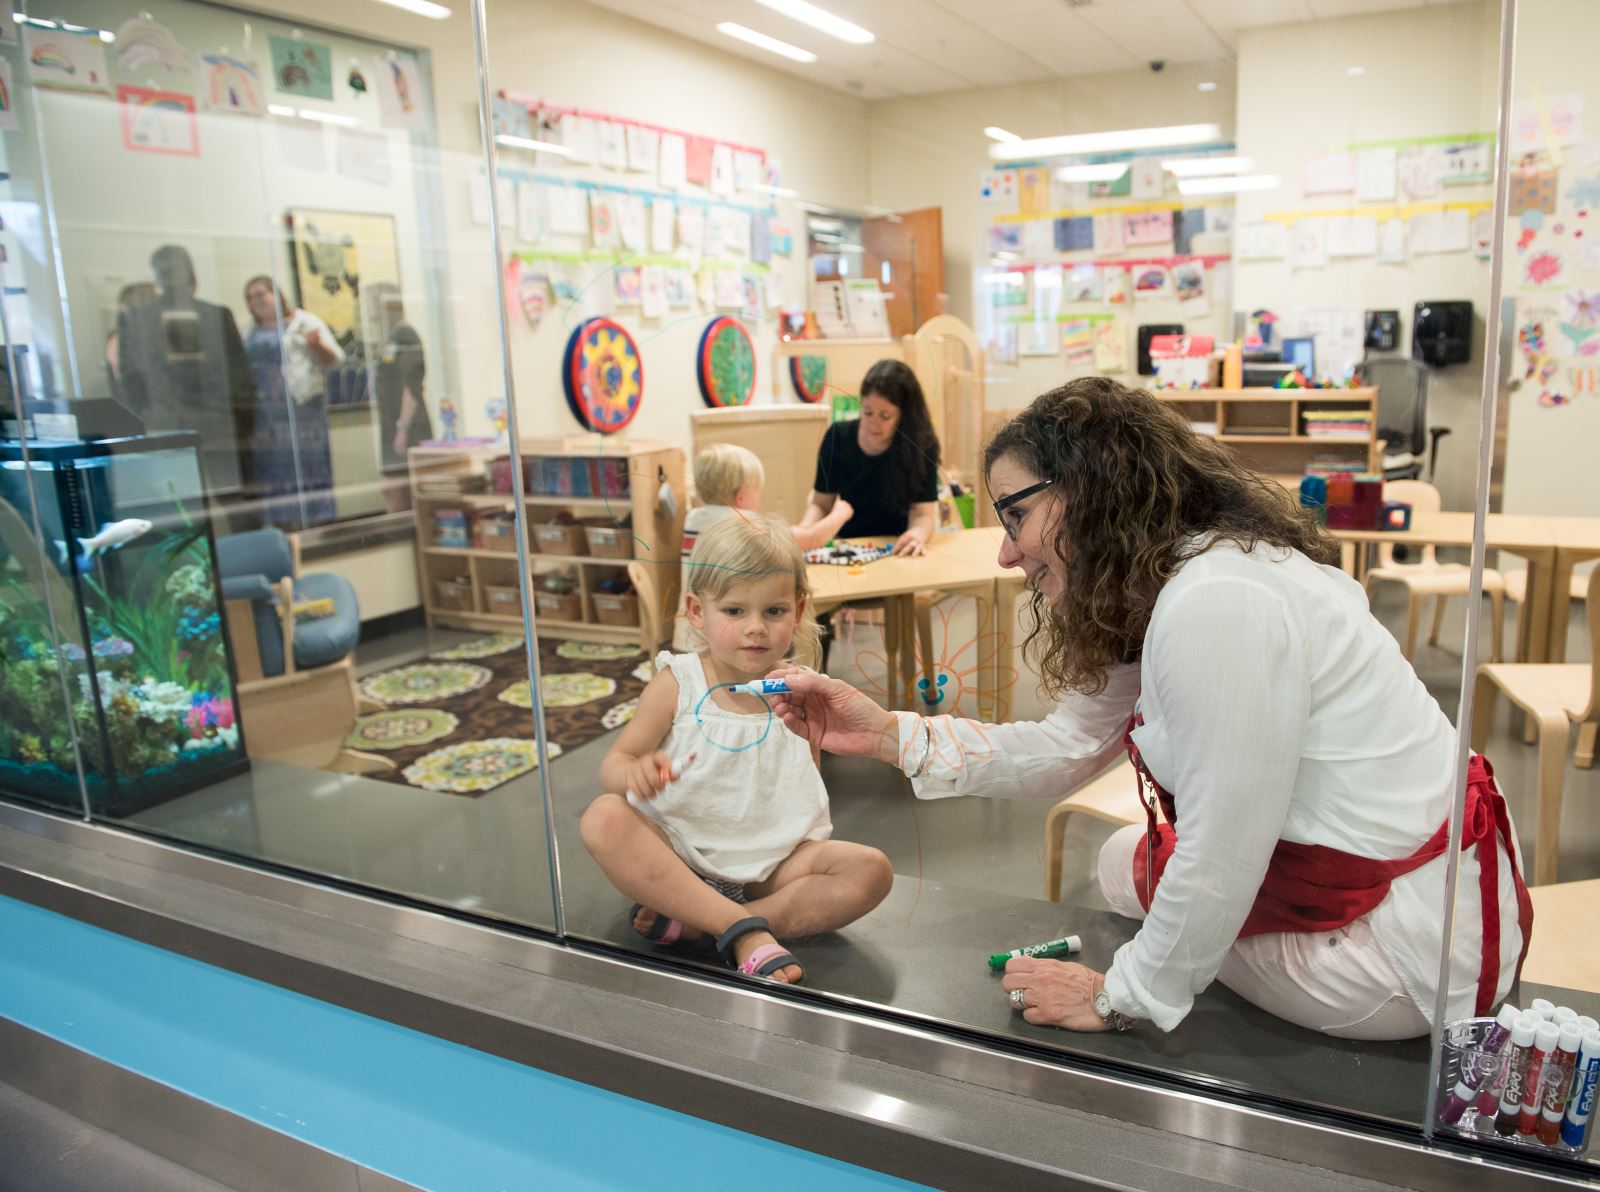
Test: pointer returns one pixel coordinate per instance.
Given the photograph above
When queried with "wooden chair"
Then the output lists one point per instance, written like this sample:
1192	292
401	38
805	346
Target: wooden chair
1429	577
1112	796
1555	696
297	689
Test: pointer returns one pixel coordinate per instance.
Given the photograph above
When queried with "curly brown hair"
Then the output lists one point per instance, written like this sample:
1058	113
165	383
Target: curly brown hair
1141	493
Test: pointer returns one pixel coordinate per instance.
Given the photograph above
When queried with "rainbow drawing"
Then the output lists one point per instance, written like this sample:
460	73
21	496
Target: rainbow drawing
232	85
158	122
49	56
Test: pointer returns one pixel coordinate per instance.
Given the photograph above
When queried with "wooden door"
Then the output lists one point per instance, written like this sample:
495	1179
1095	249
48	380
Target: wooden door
905	253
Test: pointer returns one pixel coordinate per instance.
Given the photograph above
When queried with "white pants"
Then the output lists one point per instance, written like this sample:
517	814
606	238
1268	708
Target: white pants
1337	982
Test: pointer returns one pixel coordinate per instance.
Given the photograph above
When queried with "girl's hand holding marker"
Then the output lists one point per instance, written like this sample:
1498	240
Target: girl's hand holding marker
650	775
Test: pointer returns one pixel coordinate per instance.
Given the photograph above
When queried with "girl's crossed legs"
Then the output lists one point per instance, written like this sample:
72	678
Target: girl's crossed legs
821	886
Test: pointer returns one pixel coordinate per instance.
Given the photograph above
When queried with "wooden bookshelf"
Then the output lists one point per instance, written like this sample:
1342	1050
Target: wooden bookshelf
655	534
1266	427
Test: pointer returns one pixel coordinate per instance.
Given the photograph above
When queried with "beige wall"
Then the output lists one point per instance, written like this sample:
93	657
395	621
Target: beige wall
1550	452
1429	72
930	151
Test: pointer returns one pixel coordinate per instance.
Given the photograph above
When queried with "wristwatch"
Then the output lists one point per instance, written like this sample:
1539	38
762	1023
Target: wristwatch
1114	1019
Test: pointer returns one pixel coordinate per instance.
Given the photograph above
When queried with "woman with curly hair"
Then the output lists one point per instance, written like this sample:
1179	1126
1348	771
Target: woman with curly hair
1186	609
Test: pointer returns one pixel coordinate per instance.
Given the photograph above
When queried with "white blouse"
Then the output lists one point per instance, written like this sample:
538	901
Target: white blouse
1275	707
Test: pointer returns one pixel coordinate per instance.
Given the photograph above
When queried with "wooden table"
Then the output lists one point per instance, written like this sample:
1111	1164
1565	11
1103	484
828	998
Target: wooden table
1577	539
961	562
1529	537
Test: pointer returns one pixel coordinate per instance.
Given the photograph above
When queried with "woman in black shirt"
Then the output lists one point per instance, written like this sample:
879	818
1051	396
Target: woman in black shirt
885	463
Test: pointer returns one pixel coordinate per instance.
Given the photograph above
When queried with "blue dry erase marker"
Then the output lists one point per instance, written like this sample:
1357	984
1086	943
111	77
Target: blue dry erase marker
761	687
1580	1109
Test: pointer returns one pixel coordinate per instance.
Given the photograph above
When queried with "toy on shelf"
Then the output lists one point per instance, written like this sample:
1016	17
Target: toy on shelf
1346	500
846	554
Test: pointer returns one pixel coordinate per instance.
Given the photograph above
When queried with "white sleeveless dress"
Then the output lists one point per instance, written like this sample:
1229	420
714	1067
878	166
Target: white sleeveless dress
749	797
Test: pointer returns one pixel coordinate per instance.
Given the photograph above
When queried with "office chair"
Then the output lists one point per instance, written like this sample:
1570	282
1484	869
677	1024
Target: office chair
1402	387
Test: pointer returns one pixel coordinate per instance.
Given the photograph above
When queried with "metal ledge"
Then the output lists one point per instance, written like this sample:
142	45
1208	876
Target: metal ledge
850	1082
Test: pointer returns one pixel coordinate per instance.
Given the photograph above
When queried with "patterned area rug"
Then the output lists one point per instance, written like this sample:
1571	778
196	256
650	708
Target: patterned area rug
462	722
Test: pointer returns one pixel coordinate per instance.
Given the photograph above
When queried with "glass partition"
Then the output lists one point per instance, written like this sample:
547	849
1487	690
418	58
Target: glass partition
1271	223
262	384
1518	1076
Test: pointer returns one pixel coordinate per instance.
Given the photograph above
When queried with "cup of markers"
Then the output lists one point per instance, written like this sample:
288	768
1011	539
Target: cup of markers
1526	1077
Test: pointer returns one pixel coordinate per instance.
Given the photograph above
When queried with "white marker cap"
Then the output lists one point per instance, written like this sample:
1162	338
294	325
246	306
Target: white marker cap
1545	1036
1591	1043
1507	1018
1571	1037
1543	1007
1523	1033
1588	1024
1564	1014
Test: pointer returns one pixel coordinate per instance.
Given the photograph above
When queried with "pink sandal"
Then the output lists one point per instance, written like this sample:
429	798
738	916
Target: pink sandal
765	960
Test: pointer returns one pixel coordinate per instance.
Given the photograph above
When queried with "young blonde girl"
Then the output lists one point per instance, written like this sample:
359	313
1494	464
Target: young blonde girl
717	824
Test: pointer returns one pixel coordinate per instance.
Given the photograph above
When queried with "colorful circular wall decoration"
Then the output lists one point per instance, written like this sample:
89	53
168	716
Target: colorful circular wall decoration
810	377
603	375
726	363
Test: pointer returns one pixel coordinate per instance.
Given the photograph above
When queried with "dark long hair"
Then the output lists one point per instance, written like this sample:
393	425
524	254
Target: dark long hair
915	448
1139	492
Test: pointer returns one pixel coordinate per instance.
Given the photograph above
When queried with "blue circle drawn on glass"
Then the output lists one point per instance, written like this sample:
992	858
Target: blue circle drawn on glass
700	724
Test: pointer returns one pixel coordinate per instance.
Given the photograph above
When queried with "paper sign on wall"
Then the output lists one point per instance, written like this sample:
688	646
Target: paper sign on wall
1033	191
230	85
1150	227
533	213
1146	178
746	170
569	210
631	226
1110	234
1308	244
1392	242
1375	175
662	237
1418	167
612	151
1110	346
1263	241
1466	164
1329	174
579	137
399	88
1545	121
652	292
301	67
722	170
644	145
1077	341
1352	236
63	61
673	161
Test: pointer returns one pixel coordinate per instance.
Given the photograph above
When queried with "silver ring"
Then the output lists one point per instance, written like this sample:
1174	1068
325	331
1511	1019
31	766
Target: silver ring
1016	999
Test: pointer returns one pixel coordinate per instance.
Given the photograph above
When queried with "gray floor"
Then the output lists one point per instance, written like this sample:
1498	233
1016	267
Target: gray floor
969	881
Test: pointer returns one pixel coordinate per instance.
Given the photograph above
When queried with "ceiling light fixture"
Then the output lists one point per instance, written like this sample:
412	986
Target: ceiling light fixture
1206	167
1000	134
1107	142
1108	171
512	142
422	8
1355	71
819	18
761	40
1228	186
1207	86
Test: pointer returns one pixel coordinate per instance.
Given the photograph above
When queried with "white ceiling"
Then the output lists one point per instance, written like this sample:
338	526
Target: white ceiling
924	46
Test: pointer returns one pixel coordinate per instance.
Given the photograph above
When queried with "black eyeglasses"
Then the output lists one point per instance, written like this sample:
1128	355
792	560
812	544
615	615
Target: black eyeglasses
1006	502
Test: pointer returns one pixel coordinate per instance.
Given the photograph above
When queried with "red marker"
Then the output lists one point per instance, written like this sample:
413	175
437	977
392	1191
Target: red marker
1558	1070
1522	1036
1545	1037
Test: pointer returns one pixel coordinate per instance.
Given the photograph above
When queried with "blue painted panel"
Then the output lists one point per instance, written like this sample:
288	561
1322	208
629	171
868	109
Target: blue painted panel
423	1110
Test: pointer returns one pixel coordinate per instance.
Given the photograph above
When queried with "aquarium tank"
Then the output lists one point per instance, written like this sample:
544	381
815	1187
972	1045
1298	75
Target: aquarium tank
109	594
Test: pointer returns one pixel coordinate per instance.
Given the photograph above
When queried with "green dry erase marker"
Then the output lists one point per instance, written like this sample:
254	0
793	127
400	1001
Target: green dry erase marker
1067	945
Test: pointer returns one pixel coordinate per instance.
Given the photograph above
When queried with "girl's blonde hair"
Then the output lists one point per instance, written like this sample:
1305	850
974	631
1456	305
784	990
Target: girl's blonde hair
747	546
722	469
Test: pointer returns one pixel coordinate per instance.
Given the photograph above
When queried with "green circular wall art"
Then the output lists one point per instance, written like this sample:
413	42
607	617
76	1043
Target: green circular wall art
810	377
727	363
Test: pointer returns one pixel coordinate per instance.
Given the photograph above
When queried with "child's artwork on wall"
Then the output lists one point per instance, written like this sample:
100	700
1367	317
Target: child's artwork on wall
626	282
679	288
1329	174
400	101
1189	280
301	67
1151	282
1083	283
1418	167
1110	345
1466	164
1308	244
231	85
8	97
1546	121
643	149
1110	233
631	222
652	291
1075	234
1077	342
158	122
143	41
1534	184
603	220
59	60
1150	227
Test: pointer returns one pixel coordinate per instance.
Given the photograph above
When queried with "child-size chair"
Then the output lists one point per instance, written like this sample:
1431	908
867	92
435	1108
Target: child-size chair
1555	696
297	690
1429	577
1112	797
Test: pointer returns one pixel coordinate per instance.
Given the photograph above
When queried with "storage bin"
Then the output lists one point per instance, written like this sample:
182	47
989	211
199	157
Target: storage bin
502	600
612	609
454	595
557	539
495	531
450	528
553	607
608	540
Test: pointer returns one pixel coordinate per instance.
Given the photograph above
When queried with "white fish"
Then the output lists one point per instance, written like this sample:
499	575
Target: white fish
112	536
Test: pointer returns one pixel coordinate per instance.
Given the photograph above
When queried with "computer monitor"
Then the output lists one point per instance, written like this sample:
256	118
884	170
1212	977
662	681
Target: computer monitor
1302	353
